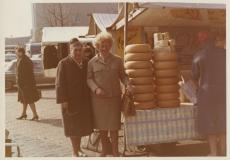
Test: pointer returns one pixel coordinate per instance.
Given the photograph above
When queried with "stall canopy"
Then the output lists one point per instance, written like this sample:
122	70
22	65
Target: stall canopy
100	21
64	34
175	14
207	5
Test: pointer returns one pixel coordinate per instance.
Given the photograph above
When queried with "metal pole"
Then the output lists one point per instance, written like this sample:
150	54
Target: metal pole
126	23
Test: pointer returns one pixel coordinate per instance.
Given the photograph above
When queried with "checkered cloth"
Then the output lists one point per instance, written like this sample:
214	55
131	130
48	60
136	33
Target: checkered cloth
161	125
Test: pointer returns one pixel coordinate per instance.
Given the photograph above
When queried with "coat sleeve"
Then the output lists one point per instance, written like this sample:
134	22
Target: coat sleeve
23	73
19	75
61	84
123	76
90	77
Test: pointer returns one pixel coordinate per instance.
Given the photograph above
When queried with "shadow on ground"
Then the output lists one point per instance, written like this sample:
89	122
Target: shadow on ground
53	122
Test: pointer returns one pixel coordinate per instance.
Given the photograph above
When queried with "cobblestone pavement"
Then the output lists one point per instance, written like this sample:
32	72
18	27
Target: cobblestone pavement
44	138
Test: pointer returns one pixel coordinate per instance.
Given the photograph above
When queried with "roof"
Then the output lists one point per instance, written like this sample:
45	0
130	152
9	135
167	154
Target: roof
104	20
207	5
174	14
63	34
101	21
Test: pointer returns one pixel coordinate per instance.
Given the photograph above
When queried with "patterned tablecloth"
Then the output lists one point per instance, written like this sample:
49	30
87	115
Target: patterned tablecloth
161	125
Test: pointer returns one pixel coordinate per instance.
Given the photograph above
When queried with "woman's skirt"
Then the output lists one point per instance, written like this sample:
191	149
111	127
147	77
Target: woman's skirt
107	113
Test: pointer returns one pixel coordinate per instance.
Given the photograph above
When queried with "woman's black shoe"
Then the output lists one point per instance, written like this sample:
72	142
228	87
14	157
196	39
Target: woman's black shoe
35	118
22	117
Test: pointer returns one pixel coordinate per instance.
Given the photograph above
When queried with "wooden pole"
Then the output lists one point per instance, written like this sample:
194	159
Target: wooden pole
126	23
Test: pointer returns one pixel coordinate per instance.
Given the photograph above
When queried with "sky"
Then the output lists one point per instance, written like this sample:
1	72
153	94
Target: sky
17	18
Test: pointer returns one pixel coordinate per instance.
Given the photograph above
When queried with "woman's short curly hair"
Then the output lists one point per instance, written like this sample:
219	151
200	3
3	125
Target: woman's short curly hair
102	36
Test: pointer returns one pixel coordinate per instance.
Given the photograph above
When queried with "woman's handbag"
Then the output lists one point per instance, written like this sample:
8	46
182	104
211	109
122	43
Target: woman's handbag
94	143
128	107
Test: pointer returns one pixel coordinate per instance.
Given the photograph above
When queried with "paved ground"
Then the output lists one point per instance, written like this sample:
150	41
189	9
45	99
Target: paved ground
46	138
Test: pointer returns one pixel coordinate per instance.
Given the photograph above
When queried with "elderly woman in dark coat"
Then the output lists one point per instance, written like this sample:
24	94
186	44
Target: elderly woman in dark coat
74	96
209	69
27	92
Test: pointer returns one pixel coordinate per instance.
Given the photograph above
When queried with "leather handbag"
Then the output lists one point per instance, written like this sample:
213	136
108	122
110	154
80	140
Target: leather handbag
128	107
94	143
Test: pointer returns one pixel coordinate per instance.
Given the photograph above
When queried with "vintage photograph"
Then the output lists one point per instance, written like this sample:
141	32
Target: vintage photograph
115	79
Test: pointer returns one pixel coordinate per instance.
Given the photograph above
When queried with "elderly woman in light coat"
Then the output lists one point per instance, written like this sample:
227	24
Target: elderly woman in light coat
105	72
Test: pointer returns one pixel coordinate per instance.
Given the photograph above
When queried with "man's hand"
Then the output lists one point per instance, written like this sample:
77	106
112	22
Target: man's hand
99	92
64	105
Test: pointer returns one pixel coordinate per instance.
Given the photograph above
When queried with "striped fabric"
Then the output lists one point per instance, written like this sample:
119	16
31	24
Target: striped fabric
161	125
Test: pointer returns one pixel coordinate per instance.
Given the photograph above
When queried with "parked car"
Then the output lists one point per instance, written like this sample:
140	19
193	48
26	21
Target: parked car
10	73
10	56
37	56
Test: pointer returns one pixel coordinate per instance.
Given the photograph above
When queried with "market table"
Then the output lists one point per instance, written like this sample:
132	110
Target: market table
161	125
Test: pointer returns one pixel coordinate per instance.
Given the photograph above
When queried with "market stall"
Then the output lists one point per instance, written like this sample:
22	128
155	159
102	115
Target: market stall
163	122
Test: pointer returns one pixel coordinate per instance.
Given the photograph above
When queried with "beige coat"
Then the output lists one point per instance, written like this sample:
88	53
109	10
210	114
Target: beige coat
106	75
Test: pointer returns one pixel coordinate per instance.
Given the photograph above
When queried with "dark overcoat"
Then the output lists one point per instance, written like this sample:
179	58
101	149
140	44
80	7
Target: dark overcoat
71	87
27	91
209	69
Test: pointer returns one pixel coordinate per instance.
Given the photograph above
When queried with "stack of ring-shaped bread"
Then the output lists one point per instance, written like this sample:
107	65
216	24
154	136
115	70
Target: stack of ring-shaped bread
139	68
166	74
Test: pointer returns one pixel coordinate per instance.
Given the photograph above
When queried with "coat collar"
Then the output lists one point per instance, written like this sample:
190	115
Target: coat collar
73	61
108	60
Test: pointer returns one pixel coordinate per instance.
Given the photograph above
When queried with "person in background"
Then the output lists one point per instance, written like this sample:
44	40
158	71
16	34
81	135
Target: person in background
105	72
89	44
88	53
209	71
73	94
27	91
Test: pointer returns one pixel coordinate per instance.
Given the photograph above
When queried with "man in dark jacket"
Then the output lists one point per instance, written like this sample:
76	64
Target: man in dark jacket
74	96
209	70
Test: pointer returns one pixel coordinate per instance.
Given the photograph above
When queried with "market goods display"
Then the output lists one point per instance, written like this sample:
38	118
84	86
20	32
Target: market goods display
138	64
139	72
139	68
165	65
145	105
137	48
166	70
143	97
138	57
141	80
167	81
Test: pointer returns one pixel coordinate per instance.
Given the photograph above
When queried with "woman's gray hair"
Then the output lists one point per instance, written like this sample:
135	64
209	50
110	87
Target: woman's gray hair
101	37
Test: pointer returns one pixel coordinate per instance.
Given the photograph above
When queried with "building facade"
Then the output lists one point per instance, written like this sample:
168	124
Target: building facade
65	14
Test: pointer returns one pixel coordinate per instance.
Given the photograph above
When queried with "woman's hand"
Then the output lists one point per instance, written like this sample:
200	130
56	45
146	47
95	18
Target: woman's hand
99	92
